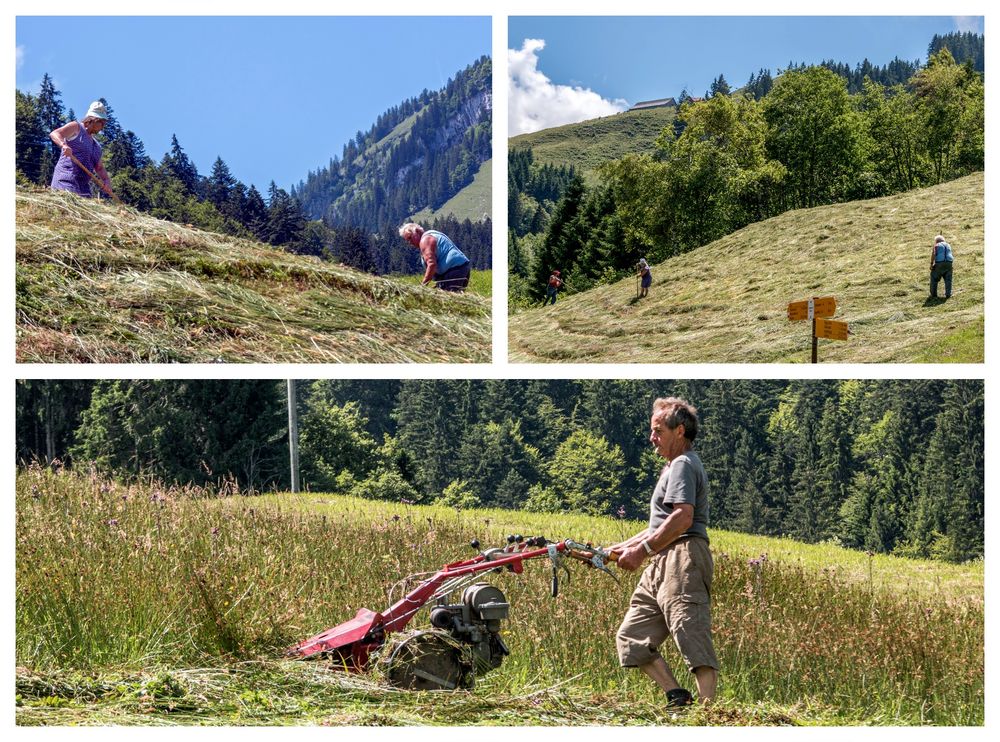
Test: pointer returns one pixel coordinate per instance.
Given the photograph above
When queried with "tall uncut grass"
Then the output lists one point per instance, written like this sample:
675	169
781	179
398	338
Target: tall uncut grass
115	578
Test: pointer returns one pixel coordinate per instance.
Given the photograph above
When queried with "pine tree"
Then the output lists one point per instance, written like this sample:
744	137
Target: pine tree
254	214
51	115
220	184
178	165
29	145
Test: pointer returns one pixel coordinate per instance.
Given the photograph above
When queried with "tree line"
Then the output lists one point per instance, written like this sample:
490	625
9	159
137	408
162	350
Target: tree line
171	189
734	159
174	190
891	466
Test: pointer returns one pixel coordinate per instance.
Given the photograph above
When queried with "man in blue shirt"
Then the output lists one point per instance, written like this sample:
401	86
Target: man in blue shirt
443	262
941	262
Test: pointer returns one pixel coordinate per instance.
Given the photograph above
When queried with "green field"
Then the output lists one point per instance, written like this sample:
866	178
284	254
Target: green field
726	302
474	202
143	604
96	284
480	282
587	144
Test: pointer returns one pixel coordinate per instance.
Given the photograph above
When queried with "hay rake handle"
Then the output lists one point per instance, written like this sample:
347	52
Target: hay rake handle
353	641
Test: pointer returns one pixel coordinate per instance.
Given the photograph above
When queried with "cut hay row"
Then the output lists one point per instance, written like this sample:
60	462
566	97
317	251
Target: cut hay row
100	284
726	302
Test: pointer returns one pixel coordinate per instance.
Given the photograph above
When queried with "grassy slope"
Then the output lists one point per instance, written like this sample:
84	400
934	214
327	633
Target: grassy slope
795	638
474	202
480	282
726	302
99	284
589	143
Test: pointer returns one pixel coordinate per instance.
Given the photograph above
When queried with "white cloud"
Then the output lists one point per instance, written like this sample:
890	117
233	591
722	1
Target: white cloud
973	23
535	102
19	51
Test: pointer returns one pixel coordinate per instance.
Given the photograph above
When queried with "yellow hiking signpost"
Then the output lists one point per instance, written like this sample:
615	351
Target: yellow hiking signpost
825	306
816	309
828	328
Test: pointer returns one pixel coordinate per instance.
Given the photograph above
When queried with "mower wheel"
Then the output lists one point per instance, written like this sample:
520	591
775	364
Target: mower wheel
429	660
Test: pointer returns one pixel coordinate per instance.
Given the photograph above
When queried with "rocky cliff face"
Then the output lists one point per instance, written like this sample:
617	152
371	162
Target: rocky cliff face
409	169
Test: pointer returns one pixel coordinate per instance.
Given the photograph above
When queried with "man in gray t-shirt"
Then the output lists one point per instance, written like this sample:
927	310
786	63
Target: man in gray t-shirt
673	594
683	480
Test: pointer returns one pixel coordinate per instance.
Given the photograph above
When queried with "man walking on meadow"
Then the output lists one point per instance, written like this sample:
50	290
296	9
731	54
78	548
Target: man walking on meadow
942	260
672	597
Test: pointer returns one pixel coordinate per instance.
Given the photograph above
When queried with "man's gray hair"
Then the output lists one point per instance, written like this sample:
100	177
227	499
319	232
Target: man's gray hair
676	411
409	228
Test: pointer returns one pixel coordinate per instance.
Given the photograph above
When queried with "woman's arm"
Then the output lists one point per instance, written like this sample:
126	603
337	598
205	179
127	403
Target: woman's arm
63	134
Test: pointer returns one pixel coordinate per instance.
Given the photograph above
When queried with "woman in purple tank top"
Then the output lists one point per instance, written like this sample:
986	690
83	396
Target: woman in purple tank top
76	139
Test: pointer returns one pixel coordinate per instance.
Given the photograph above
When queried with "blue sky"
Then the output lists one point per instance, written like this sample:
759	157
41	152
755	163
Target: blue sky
274	97
594	66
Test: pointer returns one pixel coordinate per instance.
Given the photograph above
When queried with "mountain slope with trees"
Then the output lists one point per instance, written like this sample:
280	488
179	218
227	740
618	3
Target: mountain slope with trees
424	152
417	156
726	302
813	135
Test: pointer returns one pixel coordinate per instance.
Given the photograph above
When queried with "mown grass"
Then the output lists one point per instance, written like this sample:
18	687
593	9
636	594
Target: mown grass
98	284
146	604
474	202
480	282
587	144
726	302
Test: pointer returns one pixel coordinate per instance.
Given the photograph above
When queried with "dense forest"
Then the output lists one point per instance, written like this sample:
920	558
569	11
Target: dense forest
811	136
380	180
883	465
174	190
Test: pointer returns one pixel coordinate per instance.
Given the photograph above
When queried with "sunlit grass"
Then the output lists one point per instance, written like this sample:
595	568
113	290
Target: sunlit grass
98	284
120	584
480	282
726	302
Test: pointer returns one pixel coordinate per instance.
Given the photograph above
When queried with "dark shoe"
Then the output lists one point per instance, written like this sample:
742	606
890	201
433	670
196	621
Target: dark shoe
678	697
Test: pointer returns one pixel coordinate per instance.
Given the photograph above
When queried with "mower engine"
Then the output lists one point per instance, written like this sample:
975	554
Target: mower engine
465	642
476	622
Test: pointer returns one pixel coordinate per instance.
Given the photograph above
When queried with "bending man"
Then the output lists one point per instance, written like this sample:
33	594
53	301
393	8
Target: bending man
443	262
672	597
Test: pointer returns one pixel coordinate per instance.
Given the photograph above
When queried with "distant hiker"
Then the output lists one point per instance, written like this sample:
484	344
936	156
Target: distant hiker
941	262
673	594
645	276
76	139
555	283
443	262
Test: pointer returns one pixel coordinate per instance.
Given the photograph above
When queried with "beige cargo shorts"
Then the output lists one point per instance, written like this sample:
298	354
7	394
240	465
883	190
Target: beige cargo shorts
671	599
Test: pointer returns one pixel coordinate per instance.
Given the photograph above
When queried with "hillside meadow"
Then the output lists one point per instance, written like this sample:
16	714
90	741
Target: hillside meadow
726	302
588	144
145	604
96	283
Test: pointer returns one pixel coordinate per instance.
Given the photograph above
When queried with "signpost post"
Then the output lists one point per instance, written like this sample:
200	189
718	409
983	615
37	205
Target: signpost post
814	310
